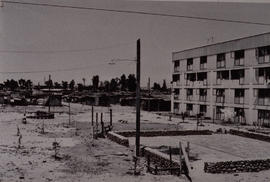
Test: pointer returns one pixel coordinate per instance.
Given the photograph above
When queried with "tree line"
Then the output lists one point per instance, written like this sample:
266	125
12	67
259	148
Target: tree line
124	83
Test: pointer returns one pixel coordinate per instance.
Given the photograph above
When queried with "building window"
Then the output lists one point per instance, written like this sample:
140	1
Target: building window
190	78
239	116
203	109
203	95
239	95
263	97
239	58
264	118
219	112
176	107
221	60
203	62
189	94
189	109
220	95
262	54
190	64
222	75
202	77
176	93
238	75
176	66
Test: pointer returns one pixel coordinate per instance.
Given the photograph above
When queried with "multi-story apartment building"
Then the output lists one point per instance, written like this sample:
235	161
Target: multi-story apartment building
228	77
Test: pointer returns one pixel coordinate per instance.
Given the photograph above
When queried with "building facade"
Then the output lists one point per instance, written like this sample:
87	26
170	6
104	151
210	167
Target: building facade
228	80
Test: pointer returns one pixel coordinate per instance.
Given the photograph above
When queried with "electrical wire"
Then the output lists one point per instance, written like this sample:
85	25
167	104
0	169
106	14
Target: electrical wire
137	12
63	51
53	70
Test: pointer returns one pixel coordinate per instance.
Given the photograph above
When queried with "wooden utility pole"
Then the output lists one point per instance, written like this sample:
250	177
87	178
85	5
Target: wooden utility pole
92	115
110	117
69	119
49	108
138	104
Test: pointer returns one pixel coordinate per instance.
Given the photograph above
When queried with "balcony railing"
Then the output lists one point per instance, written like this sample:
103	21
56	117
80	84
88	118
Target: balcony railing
262	101
239	100
220	99
190	97
176	97
239	62
203	98
189	67
203	66
221	64
263	59
177	69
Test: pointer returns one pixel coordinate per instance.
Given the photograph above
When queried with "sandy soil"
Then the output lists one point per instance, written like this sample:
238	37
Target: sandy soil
84	159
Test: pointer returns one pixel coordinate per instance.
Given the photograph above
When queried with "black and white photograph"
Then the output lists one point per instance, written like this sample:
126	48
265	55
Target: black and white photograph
134	90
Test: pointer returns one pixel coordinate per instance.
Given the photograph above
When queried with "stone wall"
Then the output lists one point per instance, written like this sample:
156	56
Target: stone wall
237	166
165	133
161	160
118	138
247	134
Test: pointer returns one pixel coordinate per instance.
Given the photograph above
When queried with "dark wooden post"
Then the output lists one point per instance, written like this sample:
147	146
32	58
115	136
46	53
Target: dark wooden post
110	117
102	124
148	163
97	121
156	169
170	151
92	115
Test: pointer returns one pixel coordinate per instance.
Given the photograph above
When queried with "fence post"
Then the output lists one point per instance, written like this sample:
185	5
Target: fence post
110	117
180	159
188	148
148	163
156	169
92	115
102	124
97	121
170	151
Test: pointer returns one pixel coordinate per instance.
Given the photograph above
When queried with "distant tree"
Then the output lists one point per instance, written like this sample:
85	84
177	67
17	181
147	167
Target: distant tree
95	81
156	87
131	83
80	87
123	82
49	83
164	86
65	85
113	85
83	79
2	86
11	84
106	86
72	84
57	85
22	83
29	84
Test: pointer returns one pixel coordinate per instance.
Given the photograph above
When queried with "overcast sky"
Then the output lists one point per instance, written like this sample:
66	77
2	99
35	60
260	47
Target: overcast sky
107	35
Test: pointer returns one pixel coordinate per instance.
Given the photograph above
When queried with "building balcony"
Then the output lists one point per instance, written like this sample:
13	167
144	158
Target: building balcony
239	100
263	59
262	101
203	66
176	69
220	99
203	98
239	62
176	97
176	83
190	98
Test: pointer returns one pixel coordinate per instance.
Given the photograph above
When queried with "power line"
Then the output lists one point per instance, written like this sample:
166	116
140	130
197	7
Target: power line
137	12
62	51
53	70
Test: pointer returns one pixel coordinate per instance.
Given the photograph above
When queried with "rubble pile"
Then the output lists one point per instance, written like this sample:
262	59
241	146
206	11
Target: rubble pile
237	166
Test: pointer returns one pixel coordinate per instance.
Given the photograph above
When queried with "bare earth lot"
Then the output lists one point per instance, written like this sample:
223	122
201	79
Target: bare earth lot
102	160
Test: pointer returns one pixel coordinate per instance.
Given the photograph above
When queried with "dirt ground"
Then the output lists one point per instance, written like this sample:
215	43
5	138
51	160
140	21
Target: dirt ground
85	159
81	157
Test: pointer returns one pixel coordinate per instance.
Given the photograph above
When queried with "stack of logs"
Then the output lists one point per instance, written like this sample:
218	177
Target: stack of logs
237	166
